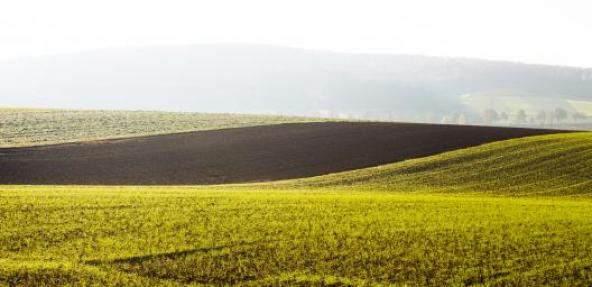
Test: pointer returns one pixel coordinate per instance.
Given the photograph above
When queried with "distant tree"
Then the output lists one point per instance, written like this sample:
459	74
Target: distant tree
560	114
490	116
577	117
504	117
541	117
521	117
531	120
462	119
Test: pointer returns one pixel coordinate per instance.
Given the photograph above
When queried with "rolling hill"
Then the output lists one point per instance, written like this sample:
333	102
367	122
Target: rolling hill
37	127
454	217
557	164
250	154
431	221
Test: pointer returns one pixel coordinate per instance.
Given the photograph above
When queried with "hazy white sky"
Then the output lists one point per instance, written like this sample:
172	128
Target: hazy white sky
533	31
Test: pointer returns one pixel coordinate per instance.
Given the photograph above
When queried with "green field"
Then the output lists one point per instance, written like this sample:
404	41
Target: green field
170	236
31	127
514	213
549	165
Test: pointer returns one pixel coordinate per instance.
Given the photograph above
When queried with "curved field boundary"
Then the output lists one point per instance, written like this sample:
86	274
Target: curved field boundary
546	165
252	154
34	127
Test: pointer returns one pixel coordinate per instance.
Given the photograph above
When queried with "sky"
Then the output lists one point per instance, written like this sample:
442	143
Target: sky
528	31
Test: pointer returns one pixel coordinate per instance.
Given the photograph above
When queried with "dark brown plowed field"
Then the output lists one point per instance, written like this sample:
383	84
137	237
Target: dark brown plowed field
240	155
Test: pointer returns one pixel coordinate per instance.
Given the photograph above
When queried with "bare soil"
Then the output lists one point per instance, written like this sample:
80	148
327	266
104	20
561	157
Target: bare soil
237	155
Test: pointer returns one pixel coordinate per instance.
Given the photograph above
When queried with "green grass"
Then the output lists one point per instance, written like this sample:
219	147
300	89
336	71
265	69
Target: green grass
169	236
549	165
512	213
31	127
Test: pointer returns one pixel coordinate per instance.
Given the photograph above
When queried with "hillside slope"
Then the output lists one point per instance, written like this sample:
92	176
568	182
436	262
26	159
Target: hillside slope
34	127
262	153
558	164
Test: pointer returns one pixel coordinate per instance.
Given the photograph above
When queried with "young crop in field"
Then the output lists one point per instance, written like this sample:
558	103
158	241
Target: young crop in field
548	165
515	213
30	127
236	236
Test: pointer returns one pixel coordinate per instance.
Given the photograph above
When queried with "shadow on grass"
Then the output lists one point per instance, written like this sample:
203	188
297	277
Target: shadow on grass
171	255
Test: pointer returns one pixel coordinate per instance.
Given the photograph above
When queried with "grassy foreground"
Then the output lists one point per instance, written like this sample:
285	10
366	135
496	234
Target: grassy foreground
176	236
461	218
30	127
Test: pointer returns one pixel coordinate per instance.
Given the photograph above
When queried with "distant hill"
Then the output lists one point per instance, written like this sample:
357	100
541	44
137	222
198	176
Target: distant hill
267	79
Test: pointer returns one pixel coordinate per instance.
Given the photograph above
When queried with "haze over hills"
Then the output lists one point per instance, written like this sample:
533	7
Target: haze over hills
268	79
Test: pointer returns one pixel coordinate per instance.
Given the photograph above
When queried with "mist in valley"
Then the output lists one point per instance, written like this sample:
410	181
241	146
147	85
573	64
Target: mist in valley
240	78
